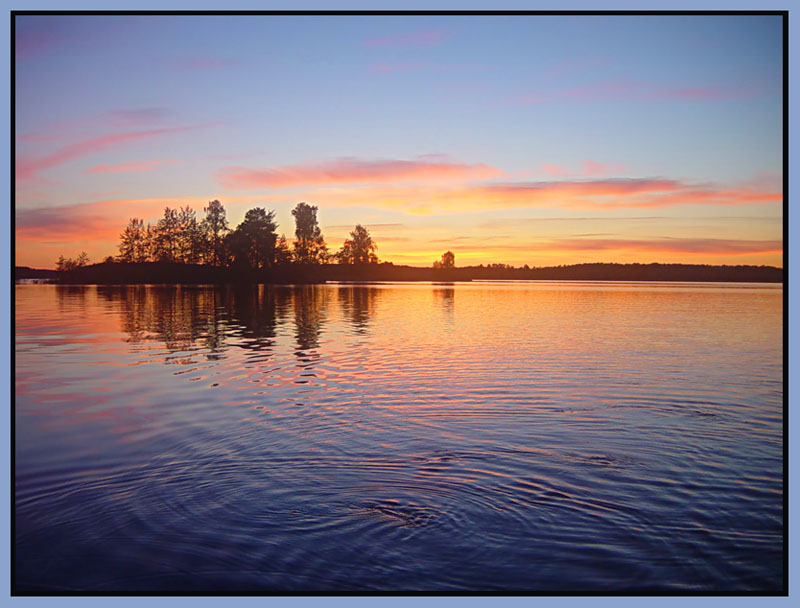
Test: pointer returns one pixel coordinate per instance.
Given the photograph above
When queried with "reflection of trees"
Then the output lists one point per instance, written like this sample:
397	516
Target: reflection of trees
254	308
71	296
182	318
310	302
446	297
358	304
194	318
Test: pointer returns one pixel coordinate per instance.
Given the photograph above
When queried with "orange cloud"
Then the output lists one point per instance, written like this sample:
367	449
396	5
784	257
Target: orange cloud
597	195
353	171
103	220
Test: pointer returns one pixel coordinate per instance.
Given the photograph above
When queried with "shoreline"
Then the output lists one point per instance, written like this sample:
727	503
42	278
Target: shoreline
294	274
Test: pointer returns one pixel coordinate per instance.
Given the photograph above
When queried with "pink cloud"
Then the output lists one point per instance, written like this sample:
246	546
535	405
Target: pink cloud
126	118
596	195
28	167
147	165
555	170
421	38
353	171
624	193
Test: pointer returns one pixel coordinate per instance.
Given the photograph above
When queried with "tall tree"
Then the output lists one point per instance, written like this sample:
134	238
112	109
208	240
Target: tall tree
215	228
166	237
253	241
190	245
359	248
133	244
309	246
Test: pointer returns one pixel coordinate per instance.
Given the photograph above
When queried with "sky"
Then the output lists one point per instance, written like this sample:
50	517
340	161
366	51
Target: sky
538	140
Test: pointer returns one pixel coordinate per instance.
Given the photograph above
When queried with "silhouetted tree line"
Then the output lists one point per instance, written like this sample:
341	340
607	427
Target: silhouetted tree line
179	248
179	237
69	264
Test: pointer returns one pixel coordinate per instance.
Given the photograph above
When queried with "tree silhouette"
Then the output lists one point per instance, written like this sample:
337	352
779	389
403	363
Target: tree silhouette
69	264
253	241
309	246
282	253
359	249
215	228
190	238
166	237
133	246
448	260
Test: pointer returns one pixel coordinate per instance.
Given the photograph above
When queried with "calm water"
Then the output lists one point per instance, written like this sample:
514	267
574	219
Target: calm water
485	436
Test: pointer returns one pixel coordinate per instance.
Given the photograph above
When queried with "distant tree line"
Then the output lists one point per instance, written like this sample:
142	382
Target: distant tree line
179	237
69	264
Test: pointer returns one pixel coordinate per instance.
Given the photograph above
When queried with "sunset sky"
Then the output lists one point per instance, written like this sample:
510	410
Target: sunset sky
535	140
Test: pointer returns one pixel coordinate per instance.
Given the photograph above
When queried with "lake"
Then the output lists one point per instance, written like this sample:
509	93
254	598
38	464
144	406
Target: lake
496	436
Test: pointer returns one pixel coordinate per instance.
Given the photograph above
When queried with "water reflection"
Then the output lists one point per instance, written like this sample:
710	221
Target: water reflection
214	319
183	319
254	308
358	305
446	297
310	304
363	437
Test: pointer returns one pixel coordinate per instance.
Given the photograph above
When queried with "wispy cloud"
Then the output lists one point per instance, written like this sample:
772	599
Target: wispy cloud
419	38
141	166
118	118
353	171
29	167
366	225
517	221
104	220
598	195
670	245
625	193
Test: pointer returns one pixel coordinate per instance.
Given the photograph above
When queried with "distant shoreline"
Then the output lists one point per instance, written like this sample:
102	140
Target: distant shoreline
188	274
